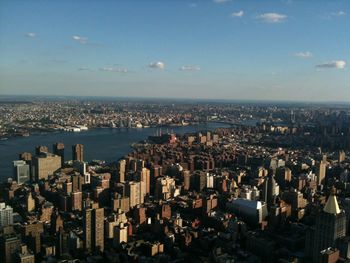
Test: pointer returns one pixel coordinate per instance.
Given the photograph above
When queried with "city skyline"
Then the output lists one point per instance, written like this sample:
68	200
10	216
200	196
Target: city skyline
278	50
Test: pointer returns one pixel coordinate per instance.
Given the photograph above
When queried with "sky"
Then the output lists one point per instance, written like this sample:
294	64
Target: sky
207	49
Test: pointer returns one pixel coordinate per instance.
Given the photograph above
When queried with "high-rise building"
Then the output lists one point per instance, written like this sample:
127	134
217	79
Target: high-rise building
122	170
156	171
329	229
140	164
77	200
58	149
30	202
21	172
24	255
140	215
270	190
77	182
145	177
165	211
199	181
120	234
122	203
134	192
295	199
62	242
78	152
341	156
67	187
31	235
321	172
56	222
6	215
93	223
25	156
9	244
165	187
187	179
210	181
45	165
251	211
87	231
98	233
41	149
283	176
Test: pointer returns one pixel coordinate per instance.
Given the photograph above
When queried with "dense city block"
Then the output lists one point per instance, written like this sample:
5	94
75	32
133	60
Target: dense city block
277	191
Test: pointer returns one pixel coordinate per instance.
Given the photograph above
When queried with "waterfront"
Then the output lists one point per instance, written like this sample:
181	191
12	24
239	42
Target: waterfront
102	144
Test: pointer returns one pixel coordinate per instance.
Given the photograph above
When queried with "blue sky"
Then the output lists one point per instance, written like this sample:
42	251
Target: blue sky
218	49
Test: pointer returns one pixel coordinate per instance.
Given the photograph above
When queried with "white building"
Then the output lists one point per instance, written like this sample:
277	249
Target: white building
6	215
210	180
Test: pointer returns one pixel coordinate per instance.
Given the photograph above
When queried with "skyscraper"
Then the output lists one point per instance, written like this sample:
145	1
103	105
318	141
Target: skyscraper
93	223
78	152
270	190
330	227
21	172
58	149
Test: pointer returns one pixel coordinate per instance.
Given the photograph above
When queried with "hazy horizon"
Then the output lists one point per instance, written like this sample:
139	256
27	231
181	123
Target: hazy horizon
29	98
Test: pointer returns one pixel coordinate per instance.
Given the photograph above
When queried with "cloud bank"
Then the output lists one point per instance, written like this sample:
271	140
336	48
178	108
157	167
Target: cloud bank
272	17
157	65
337	64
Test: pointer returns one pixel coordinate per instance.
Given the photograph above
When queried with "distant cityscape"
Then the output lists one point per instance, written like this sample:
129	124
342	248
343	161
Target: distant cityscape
159	131
275	190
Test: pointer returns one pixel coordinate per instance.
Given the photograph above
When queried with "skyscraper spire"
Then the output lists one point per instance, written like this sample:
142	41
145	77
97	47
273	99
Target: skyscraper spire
332	206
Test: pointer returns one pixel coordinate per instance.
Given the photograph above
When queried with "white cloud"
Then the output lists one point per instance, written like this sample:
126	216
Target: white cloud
84	68
221	1
80	39
339	13
30	34
337	64
193	5
158	65
111	69
190	68
305	54
332	15
238	14
272	17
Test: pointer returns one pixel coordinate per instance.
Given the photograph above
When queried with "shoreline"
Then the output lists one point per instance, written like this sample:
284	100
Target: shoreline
103	144
16	136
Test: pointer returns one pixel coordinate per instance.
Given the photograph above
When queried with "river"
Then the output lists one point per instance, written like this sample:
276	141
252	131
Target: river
101	144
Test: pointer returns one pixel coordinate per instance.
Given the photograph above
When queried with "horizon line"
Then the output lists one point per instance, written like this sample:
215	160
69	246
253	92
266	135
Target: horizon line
298	101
